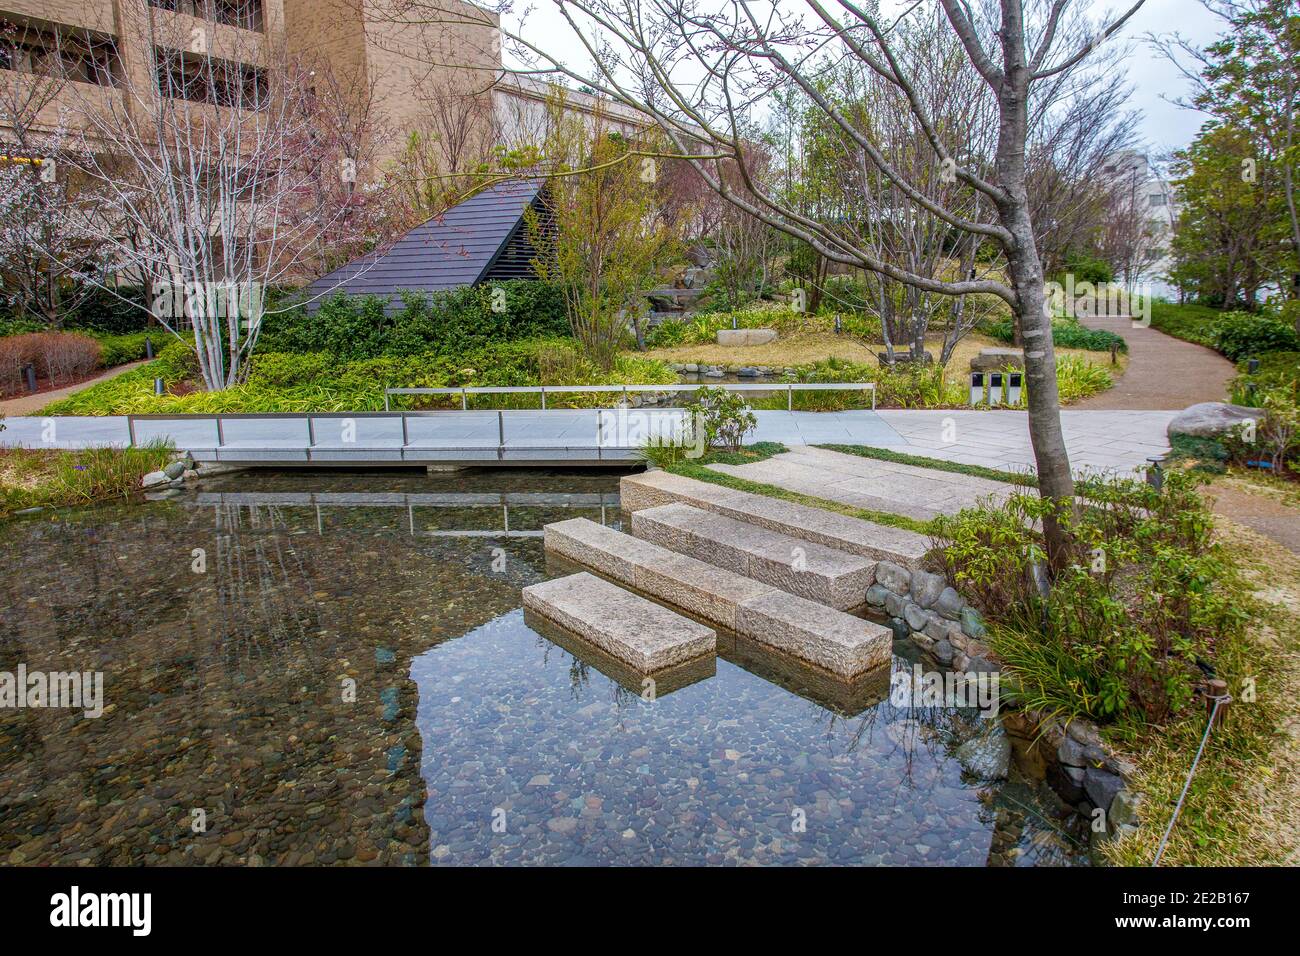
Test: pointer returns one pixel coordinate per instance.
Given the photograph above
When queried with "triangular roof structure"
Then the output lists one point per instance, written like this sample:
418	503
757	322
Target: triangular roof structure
467	244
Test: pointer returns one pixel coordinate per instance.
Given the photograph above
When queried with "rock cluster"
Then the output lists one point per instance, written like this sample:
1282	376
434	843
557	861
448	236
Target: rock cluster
181	469
923	606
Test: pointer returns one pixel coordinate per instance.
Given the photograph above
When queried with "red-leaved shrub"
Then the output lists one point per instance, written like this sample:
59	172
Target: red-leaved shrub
60	357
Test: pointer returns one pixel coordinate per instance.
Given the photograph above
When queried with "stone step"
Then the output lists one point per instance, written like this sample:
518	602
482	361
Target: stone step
792	564
840	643
626	626
840	532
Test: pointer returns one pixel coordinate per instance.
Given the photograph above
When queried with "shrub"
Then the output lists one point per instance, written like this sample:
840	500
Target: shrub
59	356
318	381
1240	335
1191	323
1131	618
1067	334
130	347
450	322
723	415
1077	378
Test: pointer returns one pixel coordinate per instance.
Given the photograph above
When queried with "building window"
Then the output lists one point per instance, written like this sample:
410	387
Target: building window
65	53
1157	199
234	13
206	79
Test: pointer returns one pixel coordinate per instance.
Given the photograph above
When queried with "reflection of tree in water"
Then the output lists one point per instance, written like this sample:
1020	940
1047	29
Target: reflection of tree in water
264	592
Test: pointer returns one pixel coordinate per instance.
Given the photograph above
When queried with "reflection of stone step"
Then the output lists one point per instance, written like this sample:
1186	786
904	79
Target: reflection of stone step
792	564
840	532
624	625
845	645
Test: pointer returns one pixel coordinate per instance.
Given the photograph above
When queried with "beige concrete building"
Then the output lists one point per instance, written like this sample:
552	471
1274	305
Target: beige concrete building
441	77
94	50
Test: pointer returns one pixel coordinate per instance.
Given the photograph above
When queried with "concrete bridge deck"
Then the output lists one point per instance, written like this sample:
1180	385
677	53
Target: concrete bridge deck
1097	440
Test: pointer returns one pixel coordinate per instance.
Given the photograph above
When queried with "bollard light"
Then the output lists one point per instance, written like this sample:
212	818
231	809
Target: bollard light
30	372
1014	380
977	388
1252	366
839	325
157	386
1156	474
995	389
148	347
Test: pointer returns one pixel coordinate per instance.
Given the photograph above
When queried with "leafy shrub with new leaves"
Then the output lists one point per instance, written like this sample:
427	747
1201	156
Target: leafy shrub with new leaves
724	417
1133	617
1239	335
1065	333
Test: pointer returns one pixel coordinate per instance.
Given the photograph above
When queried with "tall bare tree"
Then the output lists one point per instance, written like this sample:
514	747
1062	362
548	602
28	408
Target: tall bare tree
700	74
206	155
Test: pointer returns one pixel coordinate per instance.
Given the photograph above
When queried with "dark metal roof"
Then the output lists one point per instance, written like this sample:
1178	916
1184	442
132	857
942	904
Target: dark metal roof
456	248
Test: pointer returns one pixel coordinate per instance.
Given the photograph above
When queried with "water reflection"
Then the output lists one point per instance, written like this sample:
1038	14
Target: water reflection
349	679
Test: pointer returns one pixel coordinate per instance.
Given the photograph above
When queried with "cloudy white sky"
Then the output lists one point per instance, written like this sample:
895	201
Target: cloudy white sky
1155	80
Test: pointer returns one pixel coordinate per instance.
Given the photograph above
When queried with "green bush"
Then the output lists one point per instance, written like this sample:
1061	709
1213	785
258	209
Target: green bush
1129	619
1191	323
1067	334
1240	335
724	416
130	347
1086	268
318	381
450	322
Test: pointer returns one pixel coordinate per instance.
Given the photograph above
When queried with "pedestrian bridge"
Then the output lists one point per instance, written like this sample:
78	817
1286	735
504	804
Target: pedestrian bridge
557	436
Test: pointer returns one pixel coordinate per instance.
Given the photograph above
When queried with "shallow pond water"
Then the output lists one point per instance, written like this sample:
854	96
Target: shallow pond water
317	668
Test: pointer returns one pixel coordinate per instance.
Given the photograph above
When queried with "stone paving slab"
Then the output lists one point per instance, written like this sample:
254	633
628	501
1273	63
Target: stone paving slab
792	564
626	626
840	532
1110	441
840	643
835	643
920	493
666	680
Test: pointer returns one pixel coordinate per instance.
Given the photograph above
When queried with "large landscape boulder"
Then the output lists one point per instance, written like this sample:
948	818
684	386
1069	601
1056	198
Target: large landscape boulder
1212	419
734	337
995	360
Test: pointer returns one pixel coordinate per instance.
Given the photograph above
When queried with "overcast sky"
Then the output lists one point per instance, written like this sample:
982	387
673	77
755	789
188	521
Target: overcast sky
1155	80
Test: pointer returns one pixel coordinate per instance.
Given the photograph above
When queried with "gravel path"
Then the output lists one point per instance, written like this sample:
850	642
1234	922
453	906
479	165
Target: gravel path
1163	372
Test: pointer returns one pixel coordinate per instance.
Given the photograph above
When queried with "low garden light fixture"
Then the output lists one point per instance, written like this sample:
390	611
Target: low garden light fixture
1156	474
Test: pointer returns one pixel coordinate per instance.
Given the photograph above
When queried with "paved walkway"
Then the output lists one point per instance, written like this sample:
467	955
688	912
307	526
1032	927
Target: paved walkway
1163	372
26	404
1112	441
920	493
1258	511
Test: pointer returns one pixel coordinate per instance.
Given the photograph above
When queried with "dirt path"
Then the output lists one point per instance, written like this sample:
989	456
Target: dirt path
1259	511
26	404
1163	372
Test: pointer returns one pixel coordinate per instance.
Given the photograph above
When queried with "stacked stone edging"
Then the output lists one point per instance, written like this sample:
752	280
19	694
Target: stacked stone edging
924	607
1081	771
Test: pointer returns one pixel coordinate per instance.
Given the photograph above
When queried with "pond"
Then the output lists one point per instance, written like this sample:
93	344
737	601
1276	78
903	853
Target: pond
320	668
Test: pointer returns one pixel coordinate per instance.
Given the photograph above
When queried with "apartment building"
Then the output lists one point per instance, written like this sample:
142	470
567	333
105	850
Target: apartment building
90	51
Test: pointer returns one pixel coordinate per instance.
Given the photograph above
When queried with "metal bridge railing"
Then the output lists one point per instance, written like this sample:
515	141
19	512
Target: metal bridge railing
543	390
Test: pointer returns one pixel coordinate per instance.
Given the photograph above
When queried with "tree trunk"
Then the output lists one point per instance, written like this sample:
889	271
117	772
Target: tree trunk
1025	270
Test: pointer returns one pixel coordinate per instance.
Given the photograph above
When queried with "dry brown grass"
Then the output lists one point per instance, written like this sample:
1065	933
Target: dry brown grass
803	348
